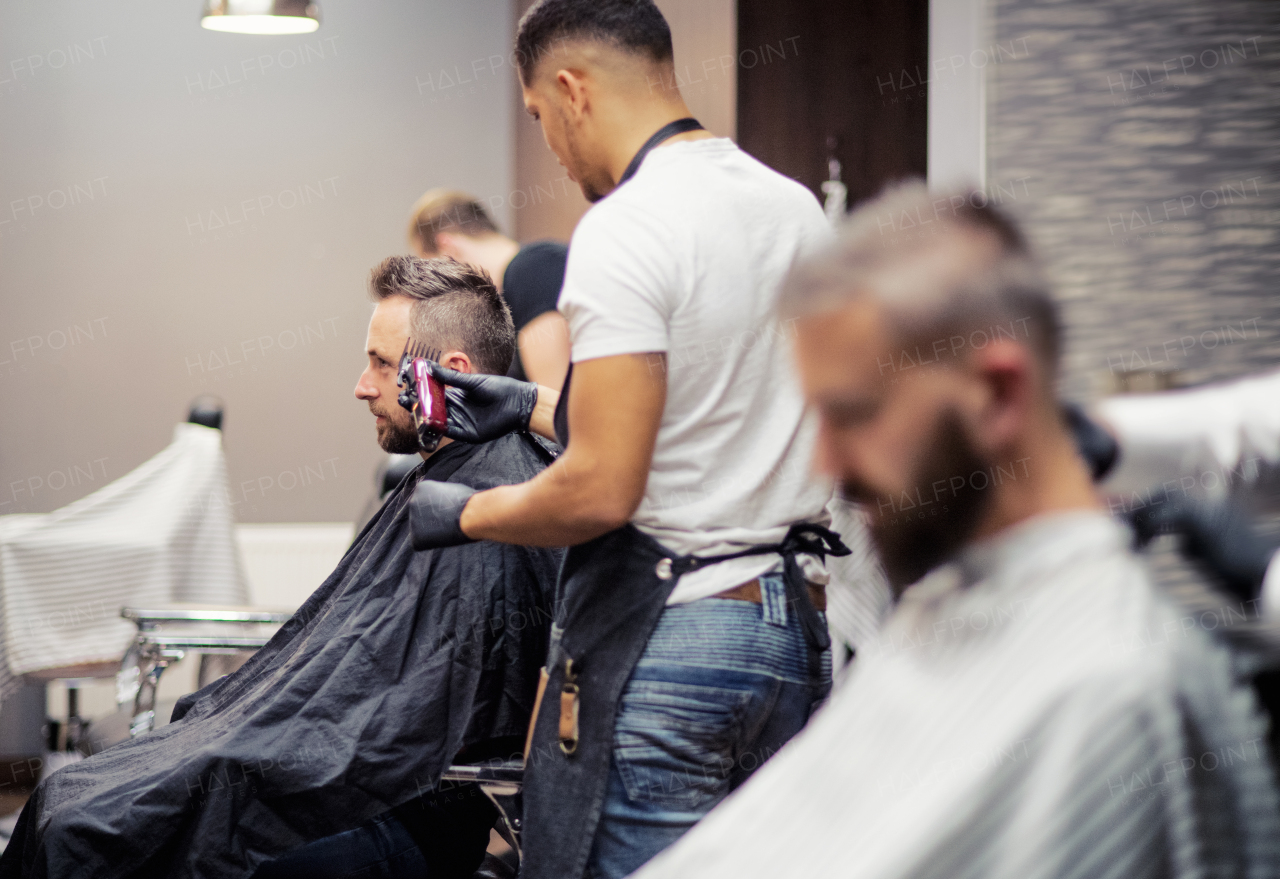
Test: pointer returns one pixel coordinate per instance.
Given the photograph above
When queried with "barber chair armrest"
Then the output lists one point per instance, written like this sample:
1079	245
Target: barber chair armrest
496	772
193	613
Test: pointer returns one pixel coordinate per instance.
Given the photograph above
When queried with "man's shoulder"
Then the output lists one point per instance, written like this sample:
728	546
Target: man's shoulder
741	179
507	460
1055	625
1109	611
537	257
1109	627
546	249
679	189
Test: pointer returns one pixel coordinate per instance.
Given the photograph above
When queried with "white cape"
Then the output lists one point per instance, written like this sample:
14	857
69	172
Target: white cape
160	534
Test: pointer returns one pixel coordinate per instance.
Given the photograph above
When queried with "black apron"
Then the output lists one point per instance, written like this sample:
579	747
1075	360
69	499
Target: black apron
612	591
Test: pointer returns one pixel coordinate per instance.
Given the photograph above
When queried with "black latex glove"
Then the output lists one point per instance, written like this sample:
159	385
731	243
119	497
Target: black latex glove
484	407
435	514
1220	537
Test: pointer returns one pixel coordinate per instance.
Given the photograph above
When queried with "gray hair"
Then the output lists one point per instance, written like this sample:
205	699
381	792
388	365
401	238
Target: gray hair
883	252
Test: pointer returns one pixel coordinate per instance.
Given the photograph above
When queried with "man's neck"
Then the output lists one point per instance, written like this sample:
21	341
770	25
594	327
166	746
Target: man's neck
444	441
639	126
1045	475
494	253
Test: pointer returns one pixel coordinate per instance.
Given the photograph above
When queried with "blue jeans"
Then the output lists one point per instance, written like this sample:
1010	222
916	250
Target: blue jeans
441	835
721	686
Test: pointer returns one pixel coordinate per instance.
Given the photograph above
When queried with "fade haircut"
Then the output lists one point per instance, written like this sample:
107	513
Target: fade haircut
456	308
878	253
446	210
635	26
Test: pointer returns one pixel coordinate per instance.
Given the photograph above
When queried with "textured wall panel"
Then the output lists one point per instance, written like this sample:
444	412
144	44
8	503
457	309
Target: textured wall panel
1146	136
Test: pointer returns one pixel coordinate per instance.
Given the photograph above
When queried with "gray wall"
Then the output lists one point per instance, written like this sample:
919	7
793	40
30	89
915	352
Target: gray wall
1140	141
184	211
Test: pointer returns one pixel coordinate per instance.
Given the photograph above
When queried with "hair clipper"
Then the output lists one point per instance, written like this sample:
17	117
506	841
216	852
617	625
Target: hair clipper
422	395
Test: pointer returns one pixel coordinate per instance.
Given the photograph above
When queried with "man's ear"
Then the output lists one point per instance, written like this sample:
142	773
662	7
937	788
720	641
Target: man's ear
573	88
1007	373
457	361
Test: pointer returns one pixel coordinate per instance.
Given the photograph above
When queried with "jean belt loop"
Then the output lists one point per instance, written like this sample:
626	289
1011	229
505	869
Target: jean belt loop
773	599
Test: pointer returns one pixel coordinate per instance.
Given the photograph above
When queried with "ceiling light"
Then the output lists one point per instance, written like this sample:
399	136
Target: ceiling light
261	16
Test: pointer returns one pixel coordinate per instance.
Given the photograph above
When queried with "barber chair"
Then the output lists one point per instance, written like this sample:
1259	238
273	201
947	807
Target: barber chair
501	782
223	637
206	410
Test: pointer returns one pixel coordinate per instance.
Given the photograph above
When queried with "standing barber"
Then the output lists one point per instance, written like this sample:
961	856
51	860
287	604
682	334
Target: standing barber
674	671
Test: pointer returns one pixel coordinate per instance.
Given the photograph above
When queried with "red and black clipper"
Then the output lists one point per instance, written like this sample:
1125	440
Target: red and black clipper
421	394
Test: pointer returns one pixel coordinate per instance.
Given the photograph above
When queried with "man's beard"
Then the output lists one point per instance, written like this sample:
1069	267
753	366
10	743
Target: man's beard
920	531
397	436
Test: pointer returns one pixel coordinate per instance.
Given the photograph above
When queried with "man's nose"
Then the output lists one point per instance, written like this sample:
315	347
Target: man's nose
365	389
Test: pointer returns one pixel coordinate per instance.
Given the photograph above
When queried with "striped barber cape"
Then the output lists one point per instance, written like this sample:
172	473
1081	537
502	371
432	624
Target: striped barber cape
159	534
1033	709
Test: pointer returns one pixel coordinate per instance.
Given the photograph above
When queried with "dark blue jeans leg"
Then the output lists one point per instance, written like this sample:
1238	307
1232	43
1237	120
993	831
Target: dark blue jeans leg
379	849
721	686
441	835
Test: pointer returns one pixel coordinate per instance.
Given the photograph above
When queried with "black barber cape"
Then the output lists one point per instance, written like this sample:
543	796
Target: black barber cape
397	662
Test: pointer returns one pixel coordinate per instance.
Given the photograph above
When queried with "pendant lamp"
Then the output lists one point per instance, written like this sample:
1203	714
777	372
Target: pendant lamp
261	16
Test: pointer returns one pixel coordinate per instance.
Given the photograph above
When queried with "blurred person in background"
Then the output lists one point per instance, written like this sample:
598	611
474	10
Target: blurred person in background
1034	706
454	224
1204	462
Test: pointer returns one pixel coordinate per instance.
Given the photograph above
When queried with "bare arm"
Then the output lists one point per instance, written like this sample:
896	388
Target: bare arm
544	349
615	408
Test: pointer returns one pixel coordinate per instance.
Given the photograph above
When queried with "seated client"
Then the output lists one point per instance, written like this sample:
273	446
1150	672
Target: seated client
399	664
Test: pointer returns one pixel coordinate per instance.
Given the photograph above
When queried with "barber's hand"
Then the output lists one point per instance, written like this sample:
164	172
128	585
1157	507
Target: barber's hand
1221	537
435	514
484	407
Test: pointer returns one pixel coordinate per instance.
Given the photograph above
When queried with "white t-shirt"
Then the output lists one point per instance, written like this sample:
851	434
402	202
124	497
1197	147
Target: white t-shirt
687	258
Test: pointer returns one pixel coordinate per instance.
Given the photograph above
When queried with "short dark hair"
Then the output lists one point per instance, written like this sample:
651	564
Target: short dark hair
456	308
444	210
636	26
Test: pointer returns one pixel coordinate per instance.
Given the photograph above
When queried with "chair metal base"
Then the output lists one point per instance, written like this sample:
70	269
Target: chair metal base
500	781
